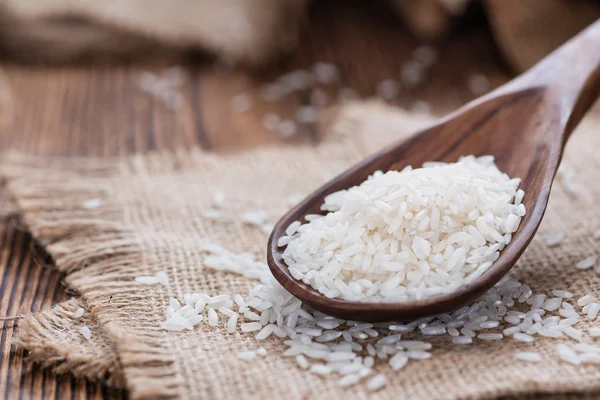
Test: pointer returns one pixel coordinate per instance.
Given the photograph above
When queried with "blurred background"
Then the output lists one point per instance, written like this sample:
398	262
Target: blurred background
113	78
108	78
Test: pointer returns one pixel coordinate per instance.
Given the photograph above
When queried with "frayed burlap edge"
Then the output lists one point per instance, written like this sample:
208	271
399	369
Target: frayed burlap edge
53	340
79	245
51	337
76	243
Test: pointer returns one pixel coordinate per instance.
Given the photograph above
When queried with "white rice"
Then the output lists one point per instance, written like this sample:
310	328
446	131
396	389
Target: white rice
555	239
387	89
565	294
91	204
411	73
325	73
271	121
478	84
528	356
147	280
296	80
256	218
246	355
295	198
241	103
593	310
79	312
211	214
346	95
523	337
163	87
409	234
231	323
398	361
85	332
420	107
274	92
239	300
586	263
287	128
162	277
490	336
566	179
376	383
213	318
306	115
262	352
265	332
594	332
218	199
552	304
171	99
320	369
349	380
302	362
567	354
573	333
250	326
585	300
418	354
425	55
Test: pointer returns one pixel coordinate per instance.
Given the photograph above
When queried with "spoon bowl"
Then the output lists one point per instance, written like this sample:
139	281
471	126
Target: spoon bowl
523	124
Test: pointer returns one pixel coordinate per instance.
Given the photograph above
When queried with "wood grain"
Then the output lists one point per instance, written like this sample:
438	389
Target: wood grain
98	110
524	125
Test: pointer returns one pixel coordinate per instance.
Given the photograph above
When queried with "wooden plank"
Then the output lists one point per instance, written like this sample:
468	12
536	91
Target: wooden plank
96	111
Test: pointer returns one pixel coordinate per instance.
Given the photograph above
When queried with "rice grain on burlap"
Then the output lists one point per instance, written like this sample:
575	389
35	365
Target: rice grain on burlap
150	220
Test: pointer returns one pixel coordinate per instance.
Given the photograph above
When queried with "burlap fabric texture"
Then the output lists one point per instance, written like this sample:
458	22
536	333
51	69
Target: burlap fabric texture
150	220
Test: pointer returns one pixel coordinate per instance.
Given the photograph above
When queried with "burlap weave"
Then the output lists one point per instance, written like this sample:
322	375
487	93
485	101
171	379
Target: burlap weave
150	220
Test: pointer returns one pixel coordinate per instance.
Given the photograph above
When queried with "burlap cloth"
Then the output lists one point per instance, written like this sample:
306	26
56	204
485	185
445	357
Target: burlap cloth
150	220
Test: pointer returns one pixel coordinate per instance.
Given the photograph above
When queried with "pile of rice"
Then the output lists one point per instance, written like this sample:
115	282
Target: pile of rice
402	236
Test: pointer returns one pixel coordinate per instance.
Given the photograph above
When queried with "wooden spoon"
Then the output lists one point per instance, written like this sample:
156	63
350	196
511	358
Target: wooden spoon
524	124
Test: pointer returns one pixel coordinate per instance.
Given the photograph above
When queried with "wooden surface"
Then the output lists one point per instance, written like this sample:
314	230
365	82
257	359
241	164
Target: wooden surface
98	110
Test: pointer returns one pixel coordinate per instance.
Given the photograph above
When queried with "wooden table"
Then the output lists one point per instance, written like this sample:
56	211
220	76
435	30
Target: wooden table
99	110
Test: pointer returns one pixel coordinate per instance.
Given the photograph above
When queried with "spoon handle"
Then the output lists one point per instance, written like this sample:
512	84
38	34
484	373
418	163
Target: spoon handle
570	75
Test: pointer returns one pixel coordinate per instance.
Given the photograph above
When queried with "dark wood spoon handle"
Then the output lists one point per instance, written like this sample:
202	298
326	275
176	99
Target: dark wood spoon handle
570	75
